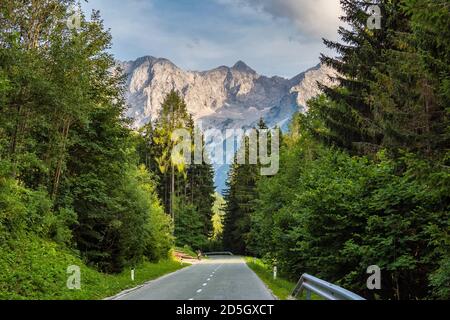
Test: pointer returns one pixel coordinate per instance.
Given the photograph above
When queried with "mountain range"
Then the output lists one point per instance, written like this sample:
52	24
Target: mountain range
221	98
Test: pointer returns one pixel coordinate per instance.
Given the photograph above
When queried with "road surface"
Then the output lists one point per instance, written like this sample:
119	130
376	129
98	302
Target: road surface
216	278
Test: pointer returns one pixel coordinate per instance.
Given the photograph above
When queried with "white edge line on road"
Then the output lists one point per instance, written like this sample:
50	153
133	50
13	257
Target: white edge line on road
204	284
128	291
263	283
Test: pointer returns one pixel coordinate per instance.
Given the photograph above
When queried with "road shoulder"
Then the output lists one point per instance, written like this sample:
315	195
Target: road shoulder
128	291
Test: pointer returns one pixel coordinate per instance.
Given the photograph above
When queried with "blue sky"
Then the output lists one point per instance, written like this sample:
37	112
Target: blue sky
274	37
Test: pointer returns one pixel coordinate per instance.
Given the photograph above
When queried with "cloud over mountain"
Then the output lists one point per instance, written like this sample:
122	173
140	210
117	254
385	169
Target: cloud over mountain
201	34
314	18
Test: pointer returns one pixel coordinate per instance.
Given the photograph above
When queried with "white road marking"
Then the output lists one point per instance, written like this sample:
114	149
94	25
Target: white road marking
199	290
191	299
204	284
209	279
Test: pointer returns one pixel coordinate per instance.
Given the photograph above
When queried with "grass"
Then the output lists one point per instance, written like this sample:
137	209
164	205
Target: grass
281	288
37	270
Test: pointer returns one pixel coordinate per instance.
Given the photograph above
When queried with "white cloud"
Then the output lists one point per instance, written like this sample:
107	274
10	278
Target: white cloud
312	17
241	30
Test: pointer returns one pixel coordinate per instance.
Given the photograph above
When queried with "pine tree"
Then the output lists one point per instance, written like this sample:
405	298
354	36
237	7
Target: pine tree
409	94
200	192
347	112
240	197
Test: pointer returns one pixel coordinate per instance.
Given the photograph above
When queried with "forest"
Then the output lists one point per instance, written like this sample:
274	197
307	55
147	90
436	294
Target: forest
75	176
364	174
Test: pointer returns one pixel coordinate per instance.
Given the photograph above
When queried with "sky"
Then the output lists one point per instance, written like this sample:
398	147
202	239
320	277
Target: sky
274	37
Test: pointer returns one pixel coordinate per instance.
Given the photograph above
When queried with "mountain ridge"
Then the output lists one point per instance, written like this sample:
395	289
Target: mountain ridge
220	98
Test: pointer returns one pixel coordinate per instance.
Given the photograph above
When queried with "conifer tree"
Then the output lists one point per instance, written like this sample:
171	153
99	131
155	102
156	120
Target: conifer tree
240	197
347	112
64	140
184	187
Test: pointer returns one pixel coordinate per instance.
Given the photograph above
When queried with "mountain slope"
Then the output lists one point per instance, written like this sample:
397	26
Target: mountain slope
221	98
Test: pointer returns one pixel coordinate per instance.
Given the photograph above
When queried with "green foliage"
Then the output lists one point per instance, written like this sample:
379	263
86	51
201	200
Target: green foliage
186	188
240	198
200	191
192	185
441	278
332	215
25	211
69	170
364	176
189	226
158	228
36	269
280	287
393	83
218	217
332	212
215	241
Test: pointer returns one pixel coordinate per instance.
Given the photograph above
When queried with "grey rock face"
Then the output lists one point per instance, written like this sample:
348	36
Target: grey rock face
222	98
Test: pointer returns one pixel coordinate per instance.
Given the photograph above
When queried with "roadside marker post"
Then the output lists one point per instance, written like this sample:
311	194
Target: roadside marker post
275	273
132	274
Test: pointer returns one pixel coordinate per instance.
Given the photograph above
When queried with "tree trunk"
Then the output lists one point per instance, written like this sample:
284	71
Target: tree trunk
14	139
58	170
172	193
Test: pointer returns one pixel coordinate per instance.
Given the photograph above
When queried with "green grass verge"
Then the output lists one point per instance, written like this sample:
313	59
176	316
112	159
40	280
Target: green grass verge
280	287
37	269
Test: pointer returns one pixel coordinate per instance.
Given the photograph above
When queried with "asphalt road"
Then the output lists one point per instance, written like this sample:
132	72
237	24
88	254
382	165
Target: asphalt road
216	278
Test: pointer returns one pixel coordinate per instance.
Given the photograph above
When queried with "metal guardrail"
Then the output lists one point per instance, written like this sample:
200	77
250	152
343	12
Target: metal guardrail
224	253
324	289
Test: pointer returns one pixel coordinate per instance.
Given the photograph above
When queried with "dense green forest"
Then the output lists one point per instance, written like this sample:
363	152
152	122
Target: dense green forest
74	176
186	190
365	174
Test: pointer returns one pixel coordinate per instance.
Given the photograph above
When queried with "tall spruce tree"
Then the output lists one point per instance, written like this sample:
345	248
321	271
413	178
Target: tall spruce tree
409	94
347	111
240	197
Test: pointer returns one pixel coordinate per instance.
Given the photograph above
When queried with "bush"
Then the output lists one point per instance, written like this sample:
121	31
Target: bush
33	268
339	214
189	226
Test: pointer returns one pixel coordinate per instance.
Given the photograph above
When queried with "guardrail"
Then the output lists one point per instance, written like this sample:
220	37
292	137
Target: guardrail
323	289
224	253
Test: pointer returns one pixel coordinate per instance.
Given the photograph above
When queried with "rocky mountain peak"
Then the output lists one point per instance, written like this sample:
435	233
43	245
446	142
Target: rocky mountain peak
243	67
221	98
